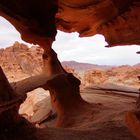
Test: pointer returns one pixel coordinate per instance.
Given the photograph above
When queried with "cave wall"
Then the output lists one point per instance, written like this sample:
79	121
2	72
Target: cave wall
34	19
117	20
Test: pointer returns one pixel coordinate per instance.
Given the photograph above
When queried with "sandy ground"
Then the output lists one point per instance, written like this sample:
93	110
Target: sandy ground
104	121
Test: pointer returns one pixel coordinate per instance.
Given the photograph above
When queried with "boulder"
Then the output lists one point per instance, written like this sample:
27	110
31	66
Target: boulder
37	106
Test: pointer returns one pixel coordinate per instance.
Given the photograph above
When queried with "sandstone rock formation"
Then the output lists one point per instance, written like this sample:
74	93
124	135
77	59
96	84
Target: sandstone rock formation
21	60
138	101
125	75
118	21
132	119
119	75
26	62
10	121
94	77
35	20
49	79
37	106
31	33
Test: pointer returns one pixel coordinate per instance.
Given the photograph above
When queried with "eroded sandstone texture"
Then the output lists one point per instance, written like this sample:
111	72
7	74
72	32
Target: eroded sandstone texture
12	126
29	18
35	20
117	20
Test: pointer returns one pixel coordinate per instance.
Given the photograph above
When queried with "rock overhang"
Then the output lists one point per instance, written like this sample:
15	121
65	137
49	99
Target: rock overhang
37	20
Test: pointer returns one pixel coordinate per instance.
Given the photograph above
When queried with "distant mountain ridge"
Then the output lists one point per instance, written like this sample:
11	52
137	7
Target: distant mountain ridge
79	66
137	65
20	62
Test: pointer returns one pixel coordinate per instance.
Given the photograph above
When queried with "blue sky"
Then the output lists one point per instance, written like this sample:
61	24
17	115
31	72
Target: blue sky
71	47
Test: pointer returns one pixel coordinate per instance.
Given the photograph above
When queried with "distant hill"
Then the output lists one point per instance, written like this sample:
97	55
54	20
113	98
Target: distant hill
84	66
137	65
20	62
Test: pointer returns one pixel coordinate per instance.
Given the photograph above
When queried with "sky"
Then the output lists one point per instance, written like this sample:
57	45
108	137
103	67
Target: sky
70	47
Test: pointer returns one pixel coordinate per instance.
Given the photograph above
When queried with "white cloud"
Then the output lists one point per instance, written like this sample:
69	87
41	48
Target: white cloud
8	34
92	50
71	47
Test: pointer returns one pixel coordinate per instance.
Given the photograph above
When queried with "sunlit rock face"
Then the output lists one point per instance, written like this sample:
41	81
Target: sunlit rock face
122	75
37	106
19	61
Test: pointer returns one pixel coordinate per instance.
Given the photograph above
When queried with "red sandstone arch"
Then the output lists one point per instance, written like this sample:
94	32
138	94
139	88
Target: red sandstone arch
37	20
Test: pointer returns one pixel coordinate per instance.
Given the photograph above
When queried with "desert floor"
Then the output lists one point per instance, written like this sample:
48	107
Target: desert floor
103	121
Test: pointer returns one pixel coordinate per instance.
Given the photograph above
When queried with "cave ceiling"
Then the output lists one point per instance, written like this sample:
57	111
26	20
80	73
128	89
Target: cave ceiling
117	20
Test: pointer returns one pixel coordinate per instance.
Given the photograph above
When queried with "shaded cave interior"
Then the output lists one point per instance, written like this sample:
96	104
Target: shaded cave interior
63	86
